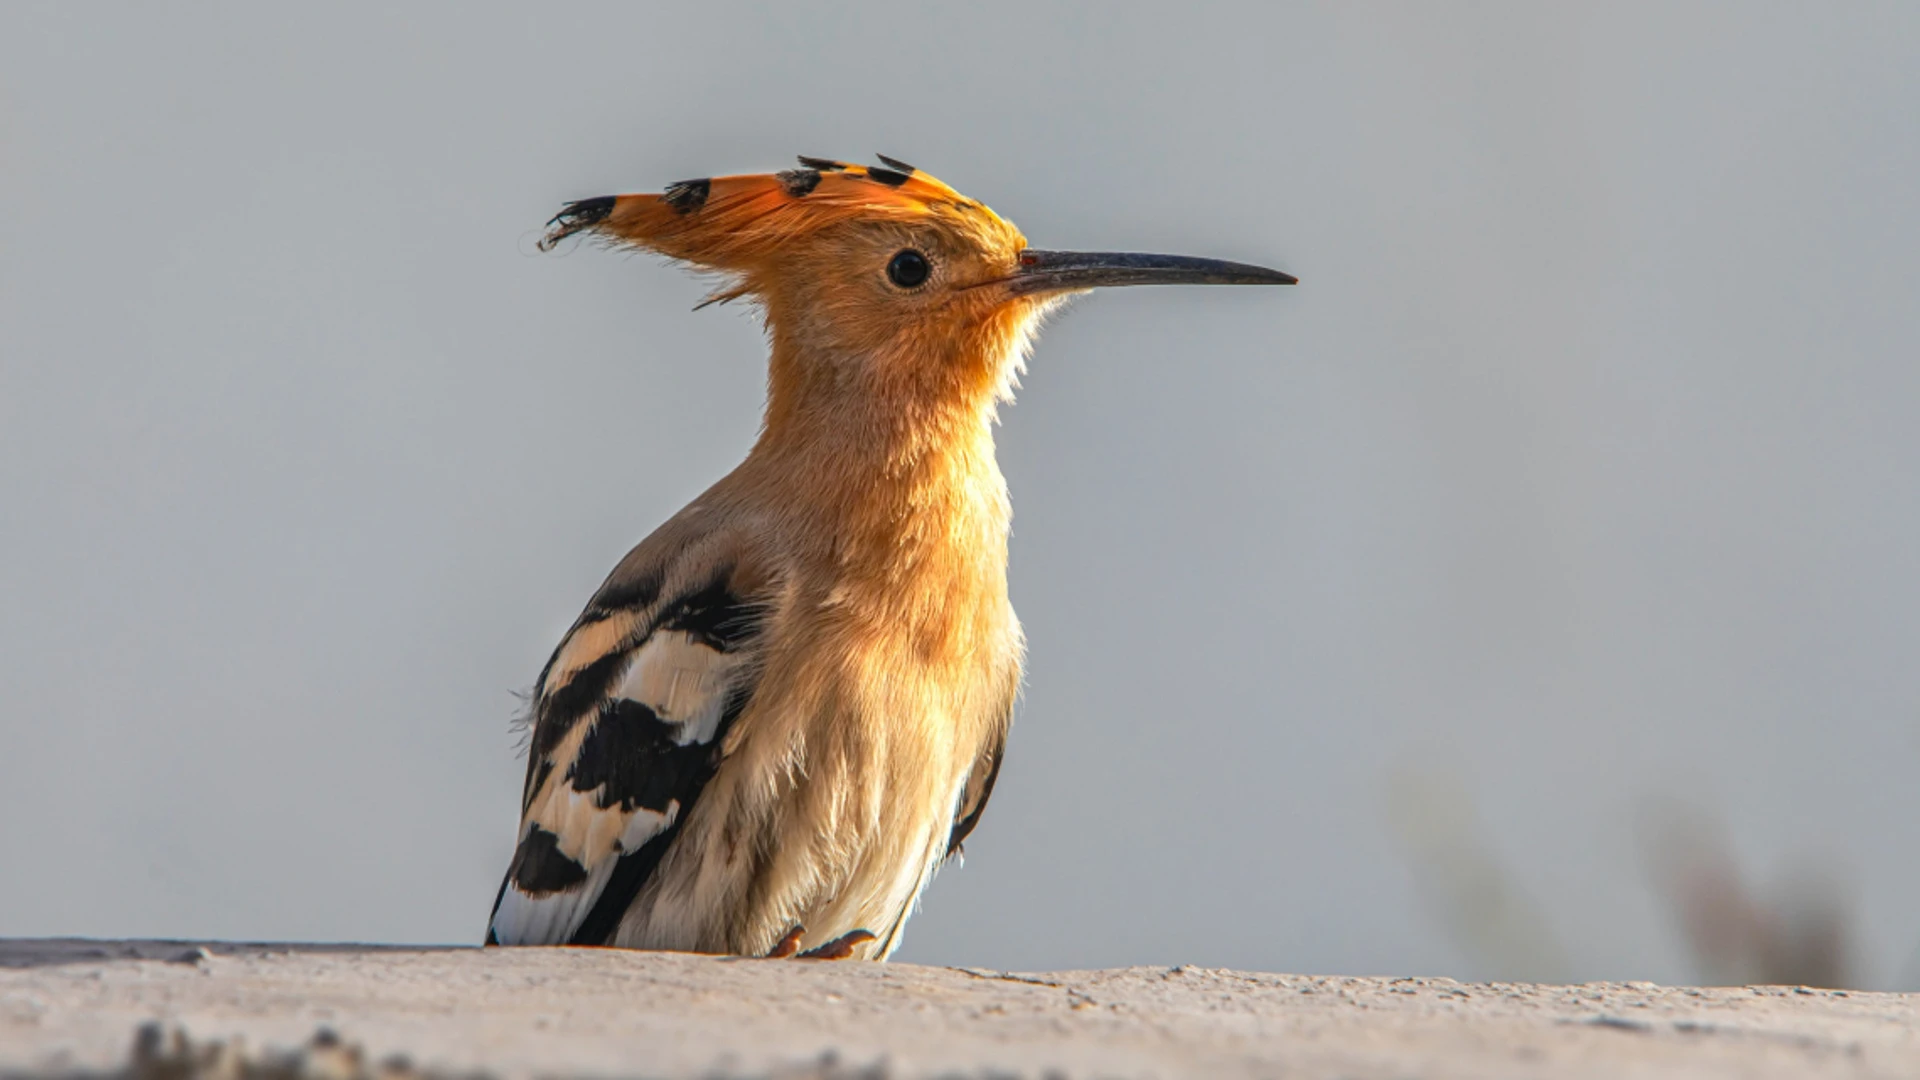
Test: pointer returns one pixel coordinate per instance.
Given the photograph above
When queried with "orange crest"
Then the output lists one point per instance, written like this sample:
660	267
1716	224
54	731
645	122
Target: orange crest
729	223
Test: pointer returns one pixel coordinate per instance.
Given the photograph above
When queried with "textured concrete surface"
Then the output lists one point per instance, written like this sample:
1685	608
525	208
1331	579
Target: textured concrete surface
69	1007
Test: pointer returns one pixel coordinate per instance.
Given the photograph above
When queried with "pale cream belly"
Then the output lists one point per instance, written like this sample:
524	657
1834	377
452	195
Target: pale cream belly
836	824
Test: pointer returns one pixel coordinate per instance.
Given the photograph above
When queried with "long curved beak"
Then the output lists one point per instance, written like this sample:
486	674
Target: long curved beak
1071	271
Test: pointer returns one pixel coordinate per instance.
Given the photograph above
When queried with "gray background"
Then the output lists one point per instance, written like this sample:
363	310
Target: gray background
1579	474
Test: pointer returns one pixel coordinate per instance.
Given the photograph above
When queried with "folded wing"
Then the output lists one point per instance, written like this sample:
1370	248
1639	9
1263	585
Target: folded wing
629	719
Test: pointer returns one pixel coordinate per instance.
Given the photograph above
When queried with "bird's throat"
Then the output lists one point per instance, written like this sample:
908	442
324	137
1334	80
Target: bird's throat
895	467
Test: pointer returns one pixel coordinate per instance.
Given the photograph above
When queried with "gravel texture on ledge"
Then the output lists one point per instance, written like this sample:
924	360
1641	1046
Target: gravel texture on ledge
149	1009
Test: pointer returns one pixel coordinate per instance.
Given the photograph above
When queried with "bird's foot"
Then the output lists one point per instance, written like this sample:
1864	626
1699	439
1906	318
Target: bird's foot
788	945
838	949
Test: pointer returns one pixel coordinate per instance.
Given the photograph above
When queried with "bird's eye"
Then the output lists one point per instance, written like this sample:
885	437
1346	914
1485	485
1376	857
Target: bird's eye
909	269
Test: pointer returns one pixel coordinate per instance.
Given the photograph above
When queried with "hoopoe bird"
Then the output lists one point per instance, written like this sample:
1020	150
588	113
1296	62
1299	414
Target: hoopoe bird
786	708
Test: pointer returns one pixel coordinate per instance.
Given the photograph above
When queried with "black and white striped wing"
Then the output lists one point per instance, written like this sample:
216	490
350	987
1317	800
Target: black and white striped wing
628	722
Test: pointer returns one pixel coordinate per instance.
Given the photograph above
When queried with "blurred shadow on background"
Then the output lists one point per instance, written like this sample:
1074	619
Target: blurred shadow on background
1499	926
1799	932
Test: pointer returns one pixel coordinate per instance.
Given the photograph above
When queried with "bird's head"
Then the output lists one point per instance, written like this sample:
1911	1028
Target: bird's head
883	274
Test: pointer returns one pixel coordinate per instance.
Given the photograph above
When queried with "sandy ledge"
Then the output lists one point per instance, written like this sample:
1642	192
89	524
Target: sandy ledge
70	1007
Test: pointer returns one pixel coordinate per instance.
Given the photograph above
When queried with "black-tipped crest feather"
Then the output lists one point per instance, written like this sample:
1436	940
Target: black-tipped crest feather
686	196
799	182
575	216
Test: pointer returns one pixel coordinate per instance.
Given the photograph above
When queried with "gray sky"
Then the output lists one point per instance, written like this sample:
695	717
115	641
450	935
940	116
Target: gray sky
1579	472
